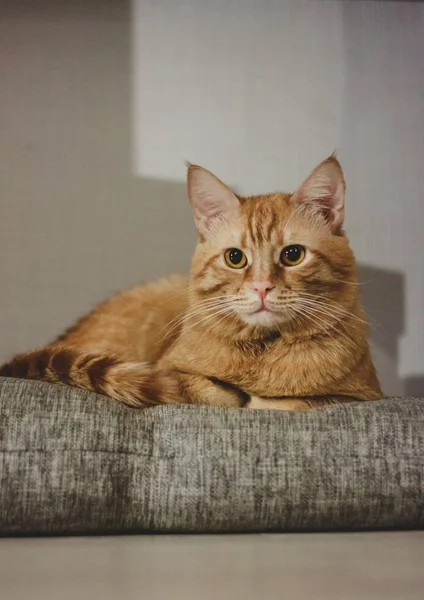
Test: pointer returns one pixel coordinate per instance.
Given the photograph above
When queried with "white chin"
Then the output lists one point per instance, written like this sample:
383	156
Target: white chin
263	318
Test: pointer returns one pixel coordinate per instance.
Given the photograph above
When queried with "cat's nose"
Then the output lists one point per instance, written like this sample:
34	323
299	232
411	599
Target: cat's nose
262	287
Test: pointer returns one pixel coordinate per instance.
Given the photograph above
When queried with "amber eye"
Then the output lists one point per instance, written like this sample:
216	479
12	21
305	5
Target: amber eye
235	258
292	255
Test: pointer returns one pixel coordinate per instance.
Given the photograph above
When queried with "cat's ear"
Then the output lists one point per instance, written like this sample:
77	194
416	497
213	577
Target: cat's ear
324	190
210	199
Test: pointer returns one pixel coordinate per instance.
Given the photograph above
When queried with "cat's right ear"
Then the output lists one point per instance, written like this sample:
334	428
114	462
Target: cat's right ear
211	200
324	191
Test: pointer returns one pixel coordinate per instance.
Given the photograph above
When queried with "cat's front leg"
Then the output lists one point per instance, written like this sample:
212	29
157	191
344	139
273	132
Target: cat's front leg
256	402
195	389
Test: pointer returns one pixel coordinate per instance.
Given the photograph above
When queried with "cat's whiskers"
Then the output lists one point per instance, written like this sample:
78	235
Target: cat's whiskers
305	308
198	309
229	313
204	303
354	321
333	312
180	318
326	302
174	325
324	327
334	318
184	318
209	317
188	288
352	282
292	315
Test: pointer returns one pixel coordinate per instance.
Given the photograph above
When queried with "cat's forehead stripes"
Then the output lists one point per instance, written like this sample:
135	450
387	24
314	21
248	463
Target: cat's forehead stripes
263	218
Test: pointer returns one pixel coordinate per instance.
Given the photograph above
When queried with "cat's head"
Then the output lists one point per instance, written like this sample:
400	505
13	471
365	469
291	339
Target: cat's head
267	261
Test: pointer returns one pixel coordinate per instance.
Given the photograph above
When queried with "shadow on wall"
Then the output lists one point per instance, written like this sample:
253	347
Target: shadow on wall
383	295
76	224
414	386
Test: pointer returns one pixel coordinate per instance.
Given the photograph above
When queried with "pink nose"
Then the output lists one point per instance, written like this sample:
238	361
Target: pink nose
262	287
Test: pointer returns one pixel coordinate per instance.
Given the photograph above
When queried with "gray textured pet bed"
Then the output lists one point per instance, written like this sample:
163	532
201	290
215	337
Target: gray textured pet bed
72	461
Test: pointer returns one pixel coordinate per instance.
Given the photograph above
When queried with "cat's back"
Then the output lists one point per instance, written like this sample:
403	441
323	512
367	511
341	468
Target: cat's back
169	292
136	323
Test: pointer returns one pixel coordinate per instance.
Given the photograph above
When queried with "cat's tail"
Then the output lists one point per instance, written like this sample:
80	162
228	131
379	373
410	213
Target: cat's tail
135	384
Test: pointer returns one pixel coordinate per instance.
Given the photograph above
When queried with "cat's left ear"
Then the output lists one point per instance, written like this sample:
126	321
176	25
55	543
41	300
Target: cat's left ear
209	197
324	190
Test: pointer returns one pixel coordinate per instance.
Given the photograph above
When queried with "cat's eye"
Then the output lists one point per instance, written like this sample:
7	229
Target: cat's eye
292	255
235	258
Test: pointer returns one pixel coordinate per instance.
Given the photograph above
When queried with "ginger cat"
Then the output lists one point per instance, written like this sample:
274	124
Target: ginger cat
269	317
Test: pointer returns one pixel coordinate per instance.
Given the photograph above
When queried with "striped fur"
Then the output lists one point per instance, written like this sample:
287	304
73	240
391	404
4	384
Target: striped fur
203	339
135	384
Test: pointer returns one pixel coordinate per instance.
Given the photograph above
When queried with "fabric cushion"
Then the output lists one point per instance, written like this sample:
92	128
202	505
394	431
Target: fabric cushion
73	462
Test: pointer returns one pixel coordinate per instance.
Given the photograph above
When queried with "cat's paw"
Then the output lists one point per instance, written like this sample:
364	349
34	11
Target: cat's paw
257	403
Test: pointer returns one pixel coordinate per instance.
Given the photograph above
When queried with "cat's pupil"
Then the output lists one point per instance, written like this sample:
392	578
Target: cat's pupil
236	256
291	254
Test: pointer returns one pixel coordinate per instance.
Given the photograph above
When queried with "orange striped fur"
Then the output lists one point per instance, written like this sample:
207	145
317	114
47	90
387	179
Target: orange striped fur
266	335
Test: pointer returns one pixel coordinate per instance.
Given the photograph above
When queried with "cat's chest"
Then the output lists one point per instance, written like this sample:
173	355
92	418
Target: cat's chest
258	369
270	369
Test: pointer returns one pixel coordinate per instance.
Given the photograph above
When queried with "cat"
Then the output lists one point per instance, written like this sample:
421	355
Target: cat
269	317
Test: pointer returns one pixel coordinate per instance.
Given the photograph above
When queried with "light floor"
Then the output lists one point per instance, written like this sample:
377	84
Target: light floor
366	566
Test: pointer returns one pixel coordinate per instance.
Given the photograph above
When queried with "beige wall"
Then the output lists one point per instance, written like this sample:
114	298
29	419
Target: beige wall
76	224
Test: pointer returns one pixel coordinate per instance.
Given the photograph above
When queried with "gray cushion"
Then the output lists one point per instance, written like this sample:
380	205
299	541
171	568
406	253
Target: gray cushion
72	461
